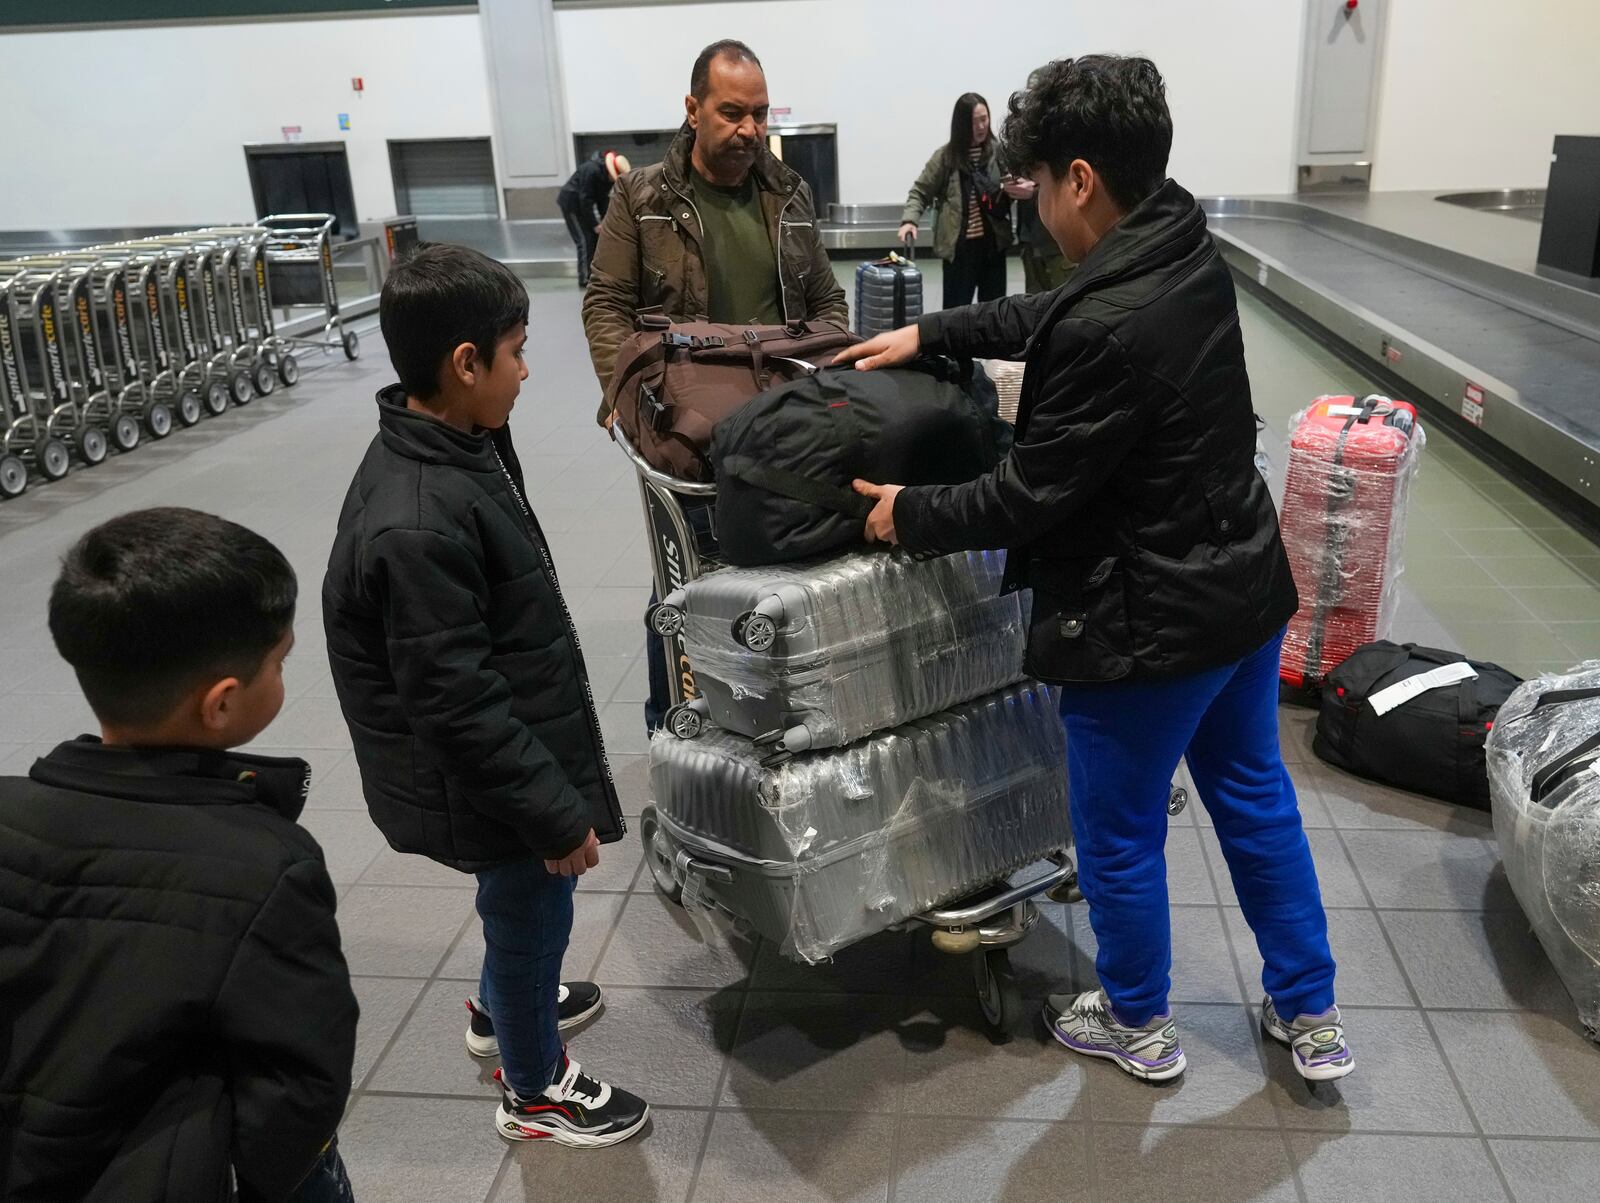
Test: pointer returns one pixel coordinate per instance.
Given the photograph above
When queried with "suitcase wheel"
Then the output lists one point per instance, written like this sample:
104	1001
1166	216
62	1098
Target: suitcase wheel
658	857
685	721
998	993
1177	800
664	619
755	631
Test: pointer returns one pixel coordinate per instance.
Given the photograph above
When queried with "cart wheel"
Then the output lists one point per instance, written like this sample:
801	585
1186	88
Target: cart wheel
158	419
1067	891
756	631
240	388
264	378
684	721
656	856
288	369
189	407
216	398
664	620
125	433
53	458
1177	800
91	445
13	476
998	994
351	342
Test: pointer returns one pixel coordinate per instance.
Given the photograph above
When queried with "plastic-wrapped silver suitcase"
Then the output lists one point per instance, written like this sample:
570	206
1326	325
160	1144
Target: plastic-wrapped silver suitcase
1544	791
816	655
831	847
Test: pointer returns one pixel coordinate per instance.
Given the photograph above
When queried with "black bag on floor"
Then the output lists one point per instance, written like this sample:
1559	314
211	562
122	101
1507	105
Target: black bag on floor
785	459
1430	741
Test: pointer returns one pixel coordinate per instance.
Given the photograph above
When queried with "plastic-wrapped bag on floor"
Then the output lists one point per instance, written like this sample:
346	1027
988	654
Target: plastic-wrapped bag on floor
816	655
1544	785
1343	518
831	847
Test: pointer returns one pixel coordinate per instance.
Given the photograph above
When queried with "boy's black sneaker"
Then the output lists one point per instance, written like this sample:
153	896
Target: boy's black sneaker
574	1110
578	1001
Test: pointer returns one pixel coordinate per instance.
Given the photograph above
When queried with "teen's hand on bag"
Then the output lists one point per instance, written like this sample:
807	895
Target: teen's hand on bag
580	860
884	351
880	523
908	231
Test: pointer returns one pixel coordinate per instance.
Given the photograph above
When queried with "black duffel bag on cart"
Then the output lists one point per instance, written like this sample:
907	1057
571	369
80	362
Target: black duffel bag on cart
784	460
1416	717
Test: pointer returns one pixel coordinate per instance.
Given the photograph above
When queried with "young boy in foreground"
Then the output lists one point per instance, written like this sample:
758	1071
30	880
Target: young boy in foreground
175	1010
459	671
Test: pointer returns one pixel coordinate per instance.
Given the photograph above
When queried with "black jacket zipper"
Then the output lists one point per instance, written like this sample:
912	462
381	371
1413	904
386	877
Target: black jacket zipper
613	802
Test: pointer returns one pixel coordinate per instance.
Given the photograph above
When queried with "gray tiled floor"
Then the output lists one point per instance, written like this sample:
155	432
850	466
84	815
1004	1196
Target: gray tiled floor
868	1078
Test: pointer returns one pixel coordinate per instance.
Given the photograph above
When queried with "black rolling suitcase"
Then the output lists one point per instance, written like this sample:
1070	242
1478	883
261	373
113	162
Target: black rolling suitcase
888	293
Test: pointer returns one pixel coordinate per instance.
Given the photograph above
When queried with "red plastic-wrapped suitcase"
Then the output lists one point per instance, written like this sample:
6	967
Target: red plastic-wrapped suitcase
1351	463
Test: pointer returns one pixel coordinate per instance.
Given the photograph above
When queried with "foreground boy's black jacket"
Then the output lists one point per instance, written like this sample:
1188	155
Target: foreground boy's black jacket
454	657
168	955
1130	501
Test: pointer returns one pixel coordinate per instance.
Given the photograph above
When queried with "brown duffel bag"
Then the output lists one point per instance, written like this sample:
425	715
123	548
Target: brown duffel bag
674	381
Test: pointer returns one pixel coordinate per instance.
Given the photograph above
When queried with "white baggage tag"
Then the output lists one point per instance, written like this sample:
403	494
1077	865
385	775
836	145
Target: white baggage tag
1386	700
1345	411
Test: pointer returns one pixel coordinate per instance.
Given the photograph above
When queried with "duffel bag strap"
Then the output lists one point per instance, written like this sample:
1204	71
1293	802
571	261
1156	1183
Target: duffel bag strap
1559	770
797	487
1557	696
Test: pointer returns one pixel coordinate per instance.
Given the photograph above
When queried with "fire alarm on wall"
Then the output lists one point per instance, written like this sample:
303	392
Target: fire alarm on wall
356	84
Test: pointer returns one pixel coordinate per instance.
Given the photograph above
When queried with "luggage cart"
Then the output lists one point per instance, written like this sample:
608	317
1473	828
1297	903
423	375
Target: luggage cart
227	362
299	272
171	388
985	925
251	304
39	333
95	370
180	305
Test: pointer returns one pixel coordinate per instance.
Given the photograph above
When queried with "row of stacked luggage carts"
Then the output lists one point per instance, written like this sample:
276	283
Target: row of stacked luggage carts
103	346
853	748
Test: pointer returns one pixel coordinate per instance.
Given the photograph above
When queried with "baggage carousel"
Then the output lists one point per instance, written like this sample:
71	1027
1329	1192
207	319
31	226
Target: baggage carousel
1446	300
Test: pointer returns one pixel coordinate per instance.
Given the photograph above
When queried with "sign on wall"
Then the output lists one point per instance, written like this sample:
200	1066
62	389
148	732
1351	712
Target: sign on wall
120	12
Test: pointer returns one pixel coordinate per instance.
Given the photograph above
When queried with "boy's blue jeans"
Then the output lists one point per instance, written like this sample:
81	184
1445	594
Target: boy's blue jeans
1124	742
527	919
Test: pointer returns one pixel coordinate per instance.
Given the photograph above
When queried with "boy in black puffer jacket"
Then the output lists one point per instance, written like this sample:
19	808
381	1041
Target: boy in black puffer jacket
175	1010
459	672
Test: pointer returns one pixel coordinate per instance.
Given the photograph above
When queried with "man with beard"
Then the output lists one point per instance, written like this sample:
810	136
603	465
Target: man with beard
721	230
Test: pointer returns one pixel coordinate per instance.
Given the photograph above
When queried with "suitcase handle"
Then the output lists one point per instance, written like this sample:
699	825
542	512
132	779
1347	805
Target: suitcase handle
686	864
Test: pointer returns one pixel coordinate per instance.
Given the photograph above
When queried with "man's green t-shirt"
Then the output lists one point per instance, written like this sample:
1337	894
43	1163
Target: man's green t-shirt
740	267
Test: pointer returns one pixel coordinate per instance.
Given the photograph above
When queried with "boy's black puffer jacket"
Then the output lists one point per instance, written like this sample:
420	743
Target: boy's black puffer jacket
454	657
173	996
1130	502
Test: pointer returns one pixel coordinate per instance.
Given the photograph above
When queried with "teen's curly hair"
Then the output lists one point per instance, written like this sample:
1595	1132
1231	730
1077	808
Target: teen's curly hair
1108	110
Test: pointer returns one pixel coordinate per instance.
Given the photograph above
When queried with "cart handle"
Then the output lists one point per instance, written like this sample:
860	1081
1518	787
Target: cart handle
688	488
988	908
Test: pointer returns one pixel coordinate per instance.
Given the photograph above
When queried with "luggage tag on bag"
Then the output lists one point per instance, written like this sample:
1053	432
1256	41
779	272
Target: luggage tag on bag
1399	694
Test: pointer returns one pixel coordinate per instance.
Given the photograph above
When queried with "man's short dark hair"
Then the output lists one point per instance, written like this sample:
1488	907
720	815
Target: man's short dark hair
154	603
438	297
1107	110
700	77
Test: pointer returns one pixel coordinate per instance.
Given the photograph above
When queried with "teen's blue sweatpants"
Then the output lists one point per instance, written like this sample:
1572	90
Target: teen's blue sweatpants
1124	741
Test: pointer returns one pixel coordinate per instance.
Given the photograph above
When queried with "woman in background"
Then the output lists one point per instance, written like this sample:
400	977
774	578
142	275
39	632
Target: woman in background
973	227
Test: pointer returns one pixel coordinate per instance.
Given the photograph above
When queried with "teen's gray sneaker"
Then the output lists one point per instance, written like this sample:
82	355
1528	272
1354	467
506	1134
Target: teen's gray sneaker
1085	1024
1321	1053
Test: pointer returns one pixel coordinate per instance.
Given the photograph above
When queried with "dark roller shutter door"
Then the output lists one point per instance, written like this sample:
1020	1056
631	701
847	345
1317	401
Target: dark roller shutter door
448	177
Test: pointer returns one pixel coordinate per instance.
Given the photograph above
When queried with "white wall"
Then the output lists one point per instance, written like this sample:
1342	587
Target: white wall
154	118
888	72
1473	93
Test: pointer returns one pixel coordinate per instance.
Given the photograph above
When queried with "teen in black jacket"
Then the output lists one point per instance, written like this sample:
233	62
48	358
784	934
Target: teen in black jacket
1131	506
